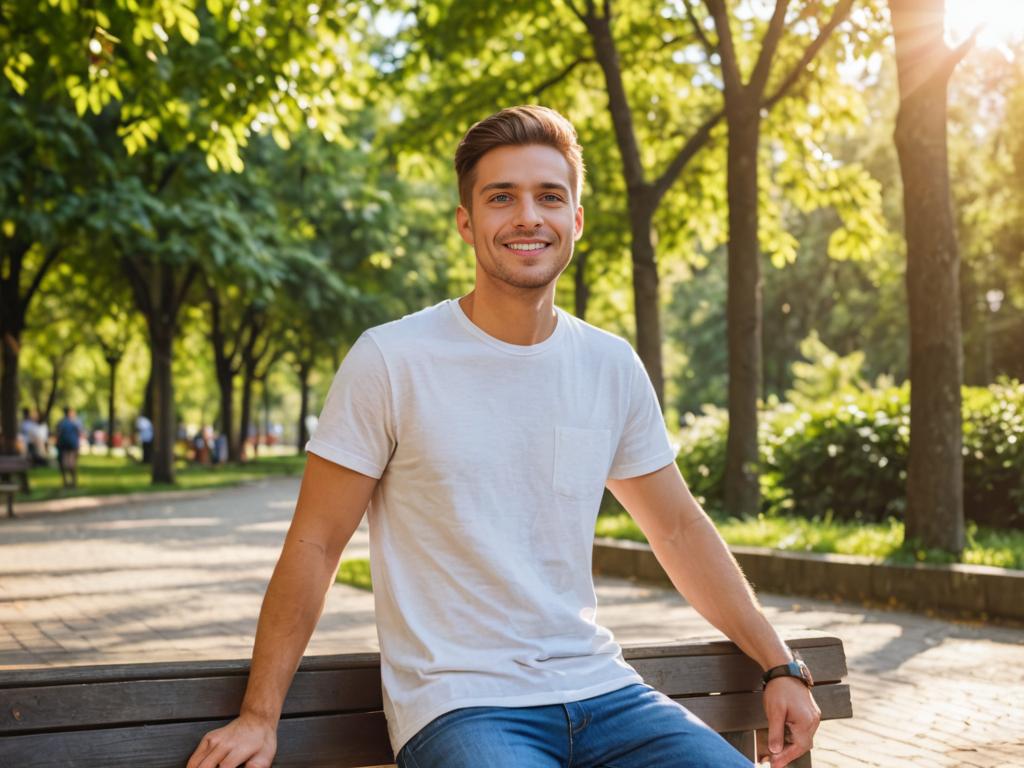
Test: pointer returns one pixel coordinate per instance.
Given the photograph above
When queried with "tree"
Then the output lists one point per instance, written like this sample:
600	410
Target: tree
745	103
935	514
172	82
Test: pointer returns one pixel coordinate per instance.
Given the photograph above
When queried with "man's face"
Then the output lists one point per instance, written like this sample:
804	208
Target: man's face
524	220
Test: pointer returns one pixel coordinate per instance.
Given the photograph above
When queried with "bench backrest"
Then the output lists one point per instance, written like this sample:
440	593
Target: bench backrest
153	715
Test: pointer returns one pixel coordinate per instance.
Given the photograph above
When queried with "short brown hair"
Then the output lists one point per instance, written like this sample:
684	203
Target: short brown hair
518	126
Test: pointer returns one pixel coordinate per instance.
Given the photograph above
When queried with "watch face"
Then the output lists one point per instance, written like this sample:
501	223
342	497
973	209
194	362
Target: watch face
804	672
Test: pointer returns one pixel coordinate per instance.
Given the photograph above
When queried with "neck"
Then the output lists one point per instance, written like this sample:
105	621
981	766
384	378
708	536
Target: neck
513	315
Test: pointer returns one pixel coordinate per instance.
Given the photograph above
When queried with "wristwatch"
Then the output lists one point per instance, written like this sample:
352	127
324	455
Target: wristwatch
795	668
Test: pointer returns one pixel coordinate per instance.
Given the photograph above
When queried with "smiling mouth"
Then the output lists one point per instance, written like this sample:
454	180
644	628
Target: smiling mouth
526	247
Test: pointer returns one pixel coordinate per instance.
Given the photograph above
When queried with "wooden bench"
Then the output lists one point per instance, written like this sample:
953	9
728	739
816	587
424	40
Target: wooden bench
153	715
13	478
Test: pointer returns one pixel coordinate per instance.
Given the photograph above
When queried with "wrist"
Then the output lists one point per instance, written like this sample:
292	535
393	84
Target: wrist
259	716
793	669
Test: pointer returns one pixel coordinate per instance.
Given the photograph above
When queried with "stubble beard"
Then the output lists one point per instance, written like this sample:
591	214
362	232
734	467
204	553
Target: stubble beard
499	270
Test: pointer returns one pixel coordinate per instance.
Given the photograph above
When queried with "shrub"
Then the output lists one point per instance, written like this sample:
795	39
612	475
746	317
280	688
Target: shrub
846	458
994	454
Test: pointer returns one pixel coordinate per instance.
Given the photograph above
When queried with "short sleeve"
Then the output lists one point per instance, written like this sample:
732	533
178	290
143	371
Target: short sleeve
643	444
356	427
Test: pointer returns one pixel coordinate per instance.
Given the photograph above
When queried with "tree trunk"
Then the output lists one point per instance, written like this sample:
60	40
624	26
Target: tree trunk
246	414
12	322
56	365
304	368
226	368
743	311
647	306
161	343
934	515
643	201
112	362
581	292
9	392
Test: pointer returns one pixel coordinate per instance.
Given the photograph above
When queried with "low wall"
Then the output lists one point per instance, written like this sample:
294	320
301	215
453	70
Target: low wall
969	590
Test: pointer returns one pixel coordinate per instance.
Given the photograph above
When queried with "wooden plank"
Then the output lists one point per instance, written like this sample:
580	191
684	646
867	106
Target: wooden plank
678	676
743	742
34	708
331	741
11	678
179	669
745	712
82	705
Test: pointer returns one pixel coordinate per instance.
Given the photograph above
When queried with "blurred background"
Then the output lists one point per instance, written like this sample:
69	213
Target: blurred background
203	204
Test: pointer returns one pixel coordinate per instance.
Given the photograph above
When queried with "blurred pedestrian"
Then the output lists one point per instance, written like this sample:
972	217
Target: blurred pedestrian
69	439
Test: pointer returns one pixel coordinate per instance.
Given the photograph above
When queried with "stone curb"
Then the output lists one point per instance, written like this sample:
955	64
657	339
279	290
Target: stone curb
968	590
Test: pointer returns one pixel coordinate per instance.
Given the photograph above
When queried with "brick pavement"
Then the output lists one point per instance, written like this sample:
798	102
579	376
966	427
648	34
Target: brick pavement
183	578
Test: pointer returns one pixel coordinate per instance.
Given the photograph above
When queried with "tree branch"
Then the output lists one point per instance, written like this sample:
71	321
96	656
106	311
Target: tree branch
179	297
138	283
699	138
552	81
618	103
699	30
769	45
730	65
842	10
576	11
167	175
48	260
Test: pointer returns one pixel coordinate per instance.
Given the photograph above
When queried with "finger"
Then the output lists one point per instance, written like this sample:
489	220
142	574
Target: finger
200	753
236	758
797	745
776	730
214	757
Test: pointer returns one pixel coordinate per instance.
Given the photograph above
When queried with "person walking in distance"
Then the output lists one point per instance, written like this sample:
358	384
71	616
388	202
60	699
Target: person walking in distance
69	440
481	433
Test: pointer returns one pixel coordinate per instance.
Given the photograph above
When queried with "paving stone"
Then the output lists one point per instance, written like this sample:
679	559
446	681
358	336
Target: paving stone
183	578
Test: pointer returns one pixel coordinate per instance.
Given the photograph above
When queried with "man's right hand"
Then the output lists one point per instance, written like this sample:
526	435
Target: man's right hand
243	742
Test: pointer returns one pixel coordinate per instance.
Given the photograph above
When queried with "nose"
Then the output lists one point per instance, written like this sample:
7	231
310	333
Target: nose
527	214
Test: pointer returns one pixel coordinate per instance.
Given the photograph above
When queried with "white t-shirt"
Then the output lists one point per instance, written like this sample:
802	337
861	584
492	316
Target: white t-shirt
492	459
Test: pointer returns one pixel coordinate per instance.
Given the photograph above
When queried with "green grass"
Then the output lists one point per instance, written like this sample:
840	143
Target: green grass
884	541
355	573
104	475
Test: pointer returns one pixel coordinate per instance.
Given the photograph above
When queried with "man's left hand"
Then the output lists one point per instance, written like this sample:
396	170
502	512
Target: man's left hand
793	717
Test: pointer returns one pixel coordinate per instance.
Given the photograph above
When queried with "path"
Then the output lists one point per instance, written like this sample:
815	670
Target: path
183	579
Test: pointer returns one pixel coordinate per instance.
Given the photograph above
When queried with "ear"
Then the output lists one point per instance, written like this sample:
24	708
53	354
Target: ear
578	226
464	225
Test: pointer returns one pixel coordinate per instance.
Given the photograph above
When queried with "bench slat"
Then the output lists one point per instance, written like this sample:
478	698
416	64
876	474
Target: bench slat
805	640
330	741
52	707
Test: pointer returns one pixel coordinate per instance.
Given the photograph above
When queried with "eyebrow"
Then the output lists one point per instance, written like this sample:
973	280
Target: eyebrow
509	185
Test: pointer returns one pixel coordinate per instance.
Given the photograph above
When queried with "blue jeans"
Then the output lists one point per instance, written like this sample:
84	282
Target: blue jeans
634	727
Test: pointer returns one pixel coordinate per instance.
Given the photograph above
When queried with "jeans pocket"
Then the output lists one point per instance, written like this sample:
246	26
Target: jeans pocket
581	461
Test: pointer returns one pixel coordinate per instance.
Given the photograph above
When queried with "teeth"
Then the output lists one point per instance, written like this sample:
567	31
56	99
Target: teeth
526	246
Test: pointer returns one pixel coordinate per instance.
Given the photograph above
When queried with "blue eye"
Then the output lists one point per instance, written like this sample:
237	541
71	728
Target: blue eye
501	197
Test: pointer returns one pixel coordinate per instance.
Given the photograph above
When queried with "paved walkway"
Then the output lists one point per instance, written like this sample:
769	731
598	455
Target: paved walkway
183	579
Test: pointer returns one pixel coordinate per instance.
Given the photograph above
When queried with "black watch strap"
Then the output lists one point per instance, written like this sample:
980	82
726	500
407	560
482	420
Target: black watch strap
795	668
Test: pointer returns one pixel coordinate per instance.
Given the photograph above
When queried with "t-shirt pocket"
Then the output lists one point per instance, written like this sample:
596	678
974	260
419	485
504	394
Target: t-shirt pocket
581	461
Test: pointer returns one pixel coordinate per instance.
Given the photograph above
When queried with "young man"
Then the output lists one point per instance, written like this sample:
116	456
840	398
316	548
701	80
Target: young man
481	433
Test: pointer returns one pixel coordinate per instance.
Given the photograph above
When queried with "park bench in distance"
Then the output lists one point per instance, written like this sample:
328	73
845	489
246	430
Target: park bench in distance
153	715
13	478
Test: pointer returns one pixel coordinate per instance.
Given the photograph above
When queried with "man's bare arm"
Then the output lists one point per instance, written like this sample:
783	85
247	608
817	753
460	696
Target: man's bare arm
704	571
332	500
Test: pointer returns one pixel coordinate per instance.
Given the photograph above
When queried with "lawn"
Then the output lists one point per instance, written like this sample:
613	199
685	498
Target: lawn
884	541
355	573
100	475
